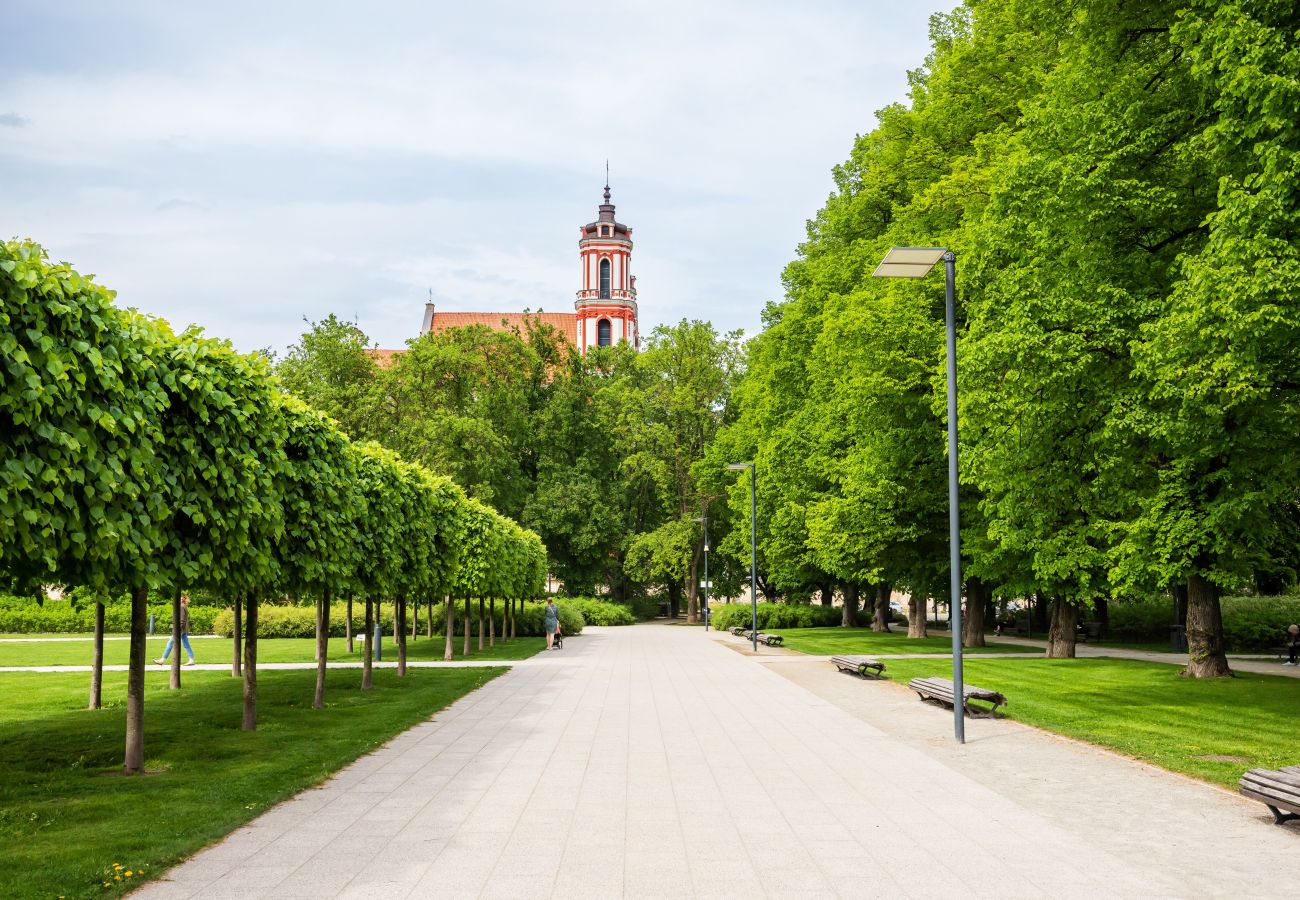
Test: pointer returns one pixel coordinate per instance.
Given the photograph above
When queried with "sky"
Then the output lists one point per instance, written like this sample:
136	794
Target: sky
244	166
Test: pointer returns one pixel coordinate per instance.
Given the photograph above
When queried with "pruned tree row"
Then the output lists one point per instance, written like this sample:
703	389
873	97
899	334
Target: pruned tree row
141	460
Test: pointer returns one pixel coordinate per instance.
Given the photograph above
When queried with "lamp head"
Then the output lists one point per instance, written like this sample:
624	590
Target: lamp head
909	262
740	467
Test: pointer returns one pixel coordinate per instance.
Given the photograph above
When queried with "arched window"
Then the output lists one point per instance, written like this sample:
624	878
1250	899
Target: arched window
602	327
604	279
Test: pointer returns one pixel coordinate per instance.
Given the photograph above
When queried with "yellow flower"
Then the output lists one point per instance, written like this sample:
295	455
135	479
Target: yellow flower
117	877
128	873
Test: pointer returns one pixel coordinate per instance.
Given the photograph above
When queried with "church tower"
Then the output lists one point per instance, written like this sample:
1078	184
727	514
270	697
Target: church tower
606	306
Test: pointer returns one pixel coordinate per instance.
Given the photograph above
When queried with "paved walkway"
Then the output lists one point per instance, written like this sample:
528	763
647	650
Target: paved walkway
656	761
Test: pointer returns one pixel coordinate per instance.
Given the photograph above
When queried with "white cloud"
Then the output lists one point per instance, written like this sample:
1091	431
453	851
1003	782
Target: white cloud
348	163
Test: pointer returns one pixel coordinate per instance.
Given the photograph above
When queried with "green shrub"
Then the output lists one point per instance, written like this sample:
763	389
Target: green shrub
773	616
279	620
23	615
599	612
1249	623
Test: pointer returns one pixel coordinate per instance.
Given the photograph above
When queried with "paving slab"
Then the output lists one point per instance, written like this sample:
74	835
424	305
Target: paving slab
651	761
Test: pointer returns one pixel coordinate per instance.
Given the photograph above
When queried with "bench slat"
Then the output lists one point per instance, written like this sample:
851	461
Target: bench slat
1273	784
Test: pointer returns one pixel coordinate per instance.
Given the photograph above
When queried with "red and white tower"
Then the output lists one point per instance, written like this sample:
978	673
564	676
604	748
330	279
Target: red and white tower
606	304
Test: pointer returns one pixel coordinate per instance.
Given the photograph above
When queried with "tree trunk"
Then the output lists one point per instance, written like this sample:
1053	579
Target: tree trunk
827	591
1206	656
368	641
973	622
399	630
450	628
347	629
1038	615
238	634
415	620
97	662
492	622
1065	625
480	623
674	600
322	647
465	650
849	611
134	763
516	607
250	663
916	616
174	681
1102	605
880	609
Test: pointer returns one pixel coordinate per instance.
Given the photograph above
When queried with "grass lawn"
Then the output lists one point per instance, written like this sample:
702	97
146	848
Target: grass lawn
1144	710
66	817
833	640
219	650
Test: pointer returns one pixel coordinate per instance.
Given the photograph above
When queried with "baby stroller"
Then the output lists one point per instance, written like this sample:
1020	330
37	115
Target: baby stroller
559	636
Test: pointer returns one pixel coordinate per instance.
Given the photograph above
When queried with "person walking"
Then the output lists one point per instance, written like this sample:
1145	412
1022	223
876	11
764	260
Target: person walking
1292	645
185	635
552	622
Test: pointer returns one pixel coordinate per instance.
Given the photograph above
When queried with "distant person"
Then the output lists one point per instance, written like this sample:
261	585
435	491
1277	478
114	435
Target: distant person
1292	645
185	636
552	622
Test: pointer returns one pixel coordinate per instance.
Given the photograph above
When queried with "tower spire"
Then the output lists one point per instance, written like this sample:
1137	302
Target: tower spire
607	181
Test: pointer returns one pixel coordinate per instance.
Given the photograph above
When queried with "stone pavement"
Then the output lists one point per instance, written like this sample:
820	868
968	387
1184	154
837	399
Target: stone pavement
654	761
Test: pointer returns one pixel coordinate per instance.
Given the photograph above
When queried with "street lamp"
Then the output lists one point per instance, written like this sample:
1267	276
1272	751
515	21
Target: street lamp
705	584
916	262
753	548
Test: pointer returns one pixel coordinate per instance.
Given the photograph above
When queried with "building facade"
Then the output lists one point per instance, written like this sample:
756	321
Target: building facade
605	311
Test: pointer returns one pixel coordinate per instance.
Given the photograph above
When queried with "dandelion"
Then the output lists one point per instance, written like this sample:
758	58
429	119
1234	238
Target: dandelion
117	877
117	866
129	873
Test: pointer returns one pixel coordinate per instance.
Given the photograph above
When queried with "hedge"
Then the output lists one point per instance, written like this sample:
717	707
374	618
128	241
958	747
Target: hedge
278	620
1249	623
598	612
22	615
772	616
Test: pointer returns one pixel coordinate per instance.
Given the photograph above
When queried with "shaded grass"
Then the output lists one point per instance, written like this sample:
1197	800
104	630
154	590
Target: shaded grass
1144	710
834	640
219	650
66	817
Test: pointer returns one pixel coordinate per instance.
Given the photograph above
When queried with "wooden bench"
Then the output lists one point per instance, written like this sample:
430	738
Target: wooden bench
737	630
858	665
772	640
1278	789
941	691
1088	631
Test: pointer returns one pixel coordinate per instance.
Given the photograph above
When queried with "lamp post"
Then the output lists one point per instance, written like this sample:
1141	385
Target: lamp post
916	262
704	519
753	548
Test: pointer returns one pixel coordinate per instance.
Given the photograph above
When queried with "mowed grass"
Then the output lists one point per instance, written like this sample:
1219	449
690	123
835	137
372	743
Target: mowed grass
832	641
66	815
220	650
1142	709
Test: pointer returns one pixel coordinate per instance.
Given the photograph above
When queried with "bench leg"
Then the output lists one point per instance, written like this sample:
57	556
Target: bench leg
1281	818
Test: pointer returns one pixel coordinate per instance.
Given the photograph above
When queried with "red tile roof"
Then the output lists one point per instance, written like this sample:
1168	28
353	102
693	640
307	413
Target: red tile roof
564	323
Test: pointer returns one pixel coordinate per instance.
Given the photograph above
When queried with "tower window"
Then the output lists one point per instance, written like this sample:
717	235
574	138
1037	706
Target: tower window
604	231
604	279
602	333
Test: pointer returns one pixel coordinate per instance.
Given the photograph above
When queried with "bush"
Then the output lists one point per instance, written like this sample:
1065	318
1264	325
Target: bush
599	612
1249	623
773	616
23	615
278	620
